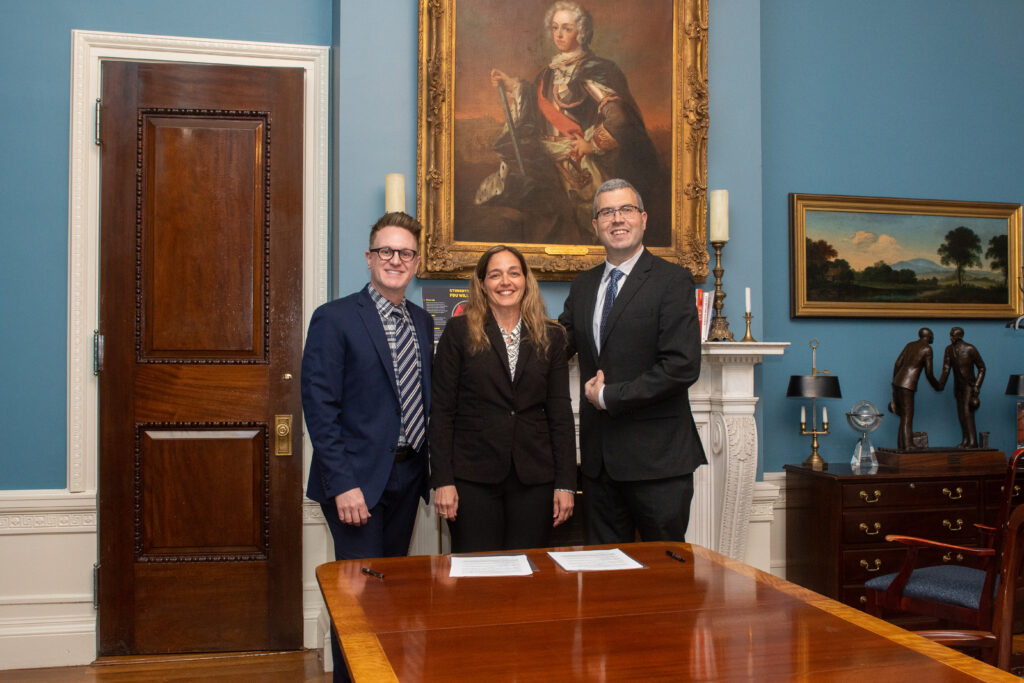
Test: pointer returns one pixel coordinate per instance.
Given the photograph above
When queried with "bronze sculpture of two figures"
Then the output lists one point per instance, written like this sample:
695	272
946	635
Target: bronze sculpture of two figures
968	370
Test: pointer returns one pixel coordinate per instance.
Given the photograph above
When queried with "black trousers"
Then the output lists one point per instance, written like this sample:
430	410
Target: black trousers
659	509
504	516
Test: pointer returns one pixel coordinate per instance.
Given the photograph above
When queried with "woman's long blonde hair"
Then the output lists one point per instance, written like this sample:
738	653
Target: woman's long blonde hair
531	307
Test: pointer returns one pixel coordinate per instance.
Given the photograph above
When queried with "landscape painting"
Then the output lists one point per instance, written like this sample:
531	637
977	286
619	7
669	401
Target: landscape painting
910	258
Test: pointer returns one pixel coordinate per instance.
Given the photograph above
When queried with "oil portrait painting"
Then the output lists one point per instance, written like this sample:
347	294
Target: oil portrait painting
886	257
531	105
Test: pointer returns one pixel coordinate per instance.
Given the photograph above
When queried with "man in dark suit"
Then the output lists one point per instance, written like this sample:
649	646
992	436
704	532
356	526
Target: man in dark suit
365	395
633	323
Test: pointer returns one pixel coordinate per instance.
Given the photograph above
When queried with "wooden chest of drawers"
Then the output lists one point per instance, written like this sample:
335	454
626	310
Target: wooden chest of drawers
836	521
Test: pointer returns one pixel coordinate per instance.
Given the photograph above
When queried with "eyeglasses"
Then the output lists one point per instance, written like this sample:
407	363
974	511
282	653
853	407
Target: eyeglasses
626	211
388	253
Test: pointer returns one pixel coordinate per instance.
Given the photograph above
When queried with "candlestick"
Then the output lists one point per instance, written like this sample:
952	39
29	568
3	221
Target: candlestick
748	337
719	216
394	192
719	324
747	293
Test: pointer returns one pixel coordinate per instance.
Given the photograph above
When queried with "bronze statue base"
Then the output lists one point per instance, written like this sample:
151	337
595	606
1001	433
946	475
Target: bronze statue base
928	458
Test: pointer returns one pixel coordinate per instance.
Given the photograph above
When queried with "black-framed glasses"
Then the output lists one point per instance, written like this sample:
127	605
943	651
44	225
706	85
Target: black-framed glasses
388	253
626	211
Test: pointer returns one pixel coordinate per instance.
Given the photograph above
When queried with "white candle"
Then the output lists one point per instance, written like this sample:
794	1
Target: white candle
748	299
394	192
803	415
824	415
719	215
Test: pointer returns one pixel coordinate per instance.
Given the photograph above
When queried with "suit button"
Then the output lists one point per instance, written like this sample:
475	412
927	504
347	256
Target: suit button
512	413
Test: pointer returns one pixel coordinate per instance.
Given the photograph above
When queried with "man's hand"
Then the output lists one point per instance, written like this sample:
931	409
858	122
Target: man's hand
352	507
446	501
563	506
593	389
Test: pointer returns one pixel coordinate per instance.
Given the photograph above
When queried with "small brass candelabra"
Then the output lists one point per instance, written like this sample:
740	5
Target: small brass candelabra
719	325
748	337
814	461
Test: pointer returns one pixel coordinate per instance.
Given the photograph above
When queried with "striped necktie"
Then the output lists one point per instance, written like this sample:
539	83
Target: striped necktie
609	297
407	374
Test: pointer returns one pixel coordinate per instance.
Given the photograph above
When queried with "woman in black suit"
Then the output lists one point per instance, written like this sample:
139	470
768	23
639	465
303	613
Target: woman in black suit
502	439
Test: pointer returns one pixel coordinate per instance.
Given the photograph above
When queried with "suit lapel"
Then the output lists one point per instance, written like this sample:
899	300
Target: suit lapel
636	279
526	353
375	328
589	302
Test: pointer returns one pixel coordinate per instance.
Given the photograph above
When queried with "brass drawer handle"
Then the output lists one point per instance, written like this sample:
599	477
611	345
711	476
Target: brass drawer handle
957	526
865	528
863	599
1016	490
950	494
869	567
949	557
867	499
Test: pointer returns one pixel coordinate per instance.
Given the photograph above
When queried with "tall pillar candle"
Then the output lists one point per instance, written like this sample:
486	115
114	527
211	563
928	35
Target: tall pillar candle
719	215
394	192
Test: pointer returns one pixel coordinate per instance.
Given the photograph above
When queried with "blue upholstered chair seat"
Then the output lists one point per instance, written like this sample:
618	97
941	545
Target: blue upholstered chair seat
950	584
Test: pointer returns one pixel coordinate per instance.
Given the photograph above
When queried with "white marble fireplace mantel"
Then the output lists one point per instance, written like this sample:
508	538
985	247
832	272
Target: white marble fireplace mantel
727	499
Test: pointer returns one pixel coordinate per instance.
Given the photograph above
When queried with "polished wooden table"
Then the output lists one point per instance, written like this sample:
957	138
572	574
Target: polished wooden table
708	618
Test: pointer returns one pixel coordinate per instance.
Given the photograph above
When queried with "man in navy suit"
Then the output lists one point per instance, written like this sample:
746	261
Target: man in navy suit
365	394
633	322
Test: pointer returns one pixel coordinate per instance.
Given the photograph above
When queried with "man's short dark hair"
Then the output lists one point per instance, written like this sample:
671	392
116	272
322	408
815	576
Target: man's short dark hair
398	219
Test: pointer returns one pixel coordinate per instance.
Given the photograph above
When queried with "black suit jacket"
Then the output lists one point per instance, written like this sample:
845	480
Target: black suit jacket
483	422
650	356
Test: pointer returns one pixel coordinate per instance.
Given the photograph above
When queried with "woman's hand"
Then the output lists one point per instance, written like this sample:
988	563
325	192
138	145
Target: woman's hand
446	501
563	506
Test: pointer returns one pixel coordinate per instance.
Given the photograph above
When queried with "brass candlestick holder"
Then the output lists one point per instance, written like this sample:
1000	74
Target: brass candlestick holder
719	325
814	460
748	337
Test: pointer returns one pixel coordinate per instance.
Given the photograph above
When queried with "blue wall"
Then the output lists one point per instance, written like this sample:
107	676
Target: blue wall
35	45
916	98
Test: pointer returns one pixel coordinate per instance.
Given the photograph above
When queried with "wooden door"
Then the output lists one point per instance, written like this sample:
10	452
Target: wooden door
200	309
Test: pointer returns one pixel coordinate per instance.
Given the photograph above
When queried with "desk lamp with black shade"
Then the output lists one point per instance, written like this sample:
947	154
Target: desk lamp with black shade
814	386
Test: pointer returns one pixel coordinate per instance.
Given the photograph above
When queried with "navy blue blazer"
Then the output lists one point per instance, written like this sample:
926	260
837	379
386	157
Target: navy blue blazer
350	397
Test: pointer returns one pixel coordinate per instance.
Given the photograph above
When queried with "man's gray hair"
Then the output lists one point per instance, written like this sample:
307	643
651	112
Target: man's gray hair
584	24
617	184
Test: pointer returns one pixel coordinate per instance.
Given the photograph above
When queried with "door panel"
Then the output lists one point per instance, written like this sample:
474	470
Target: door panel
200	307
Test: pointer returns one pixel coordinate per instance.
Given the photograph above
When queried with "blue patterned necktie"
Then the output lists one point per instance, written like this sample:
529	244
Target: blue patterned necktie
609	297
409	388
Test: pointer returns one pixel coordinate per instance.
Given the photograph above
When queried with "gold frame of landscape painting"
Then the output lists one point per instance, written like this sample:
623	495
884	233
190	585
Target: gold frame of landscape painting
884	257
489	169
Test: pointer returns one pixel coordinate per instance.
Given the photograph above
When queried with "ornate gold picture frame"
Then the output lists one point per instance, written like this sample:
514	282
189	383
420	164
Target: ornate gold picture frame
884	257
634	94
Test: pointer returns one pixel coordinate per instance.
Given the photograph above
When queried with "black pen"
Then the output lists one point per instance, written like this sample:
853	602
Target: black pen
370	572
674	556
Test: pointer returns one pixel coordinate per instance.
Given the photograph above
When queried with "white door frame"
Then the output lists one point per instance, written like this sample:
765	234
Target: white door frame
89	48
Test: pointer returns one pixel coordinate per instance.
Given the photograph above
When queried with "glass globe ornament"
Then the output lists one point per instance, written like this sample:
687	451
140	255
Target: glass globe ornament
864	417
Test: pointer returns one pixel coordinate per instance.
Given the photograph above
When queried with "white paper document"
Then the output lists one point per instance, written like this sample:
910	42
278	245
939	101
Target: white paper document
594	560
491	565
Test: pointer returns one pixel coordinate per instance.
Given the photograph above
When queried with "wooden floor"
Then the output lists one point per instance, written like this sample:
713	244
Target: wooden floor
250	667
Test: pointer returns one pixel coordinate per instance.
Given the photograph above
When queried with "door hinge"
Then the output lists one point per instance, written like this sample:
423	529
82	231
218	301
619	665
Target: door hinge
98	120
97	352
96	585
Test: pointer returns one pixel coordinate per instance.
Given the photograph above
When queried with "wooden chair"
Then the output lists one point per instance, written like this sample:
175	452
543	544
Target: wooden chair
961	596
997	642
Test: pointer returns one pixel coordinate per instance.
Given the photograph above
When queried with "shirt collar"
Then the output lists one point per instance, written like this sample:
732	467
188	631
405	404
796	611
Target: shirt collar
384	306
626	266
